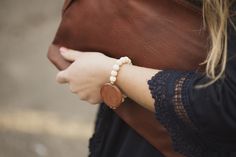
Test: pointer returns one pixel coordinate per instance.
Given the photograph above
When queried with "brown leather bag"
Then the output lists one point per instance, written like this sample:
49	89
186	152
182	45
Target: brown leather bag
160	34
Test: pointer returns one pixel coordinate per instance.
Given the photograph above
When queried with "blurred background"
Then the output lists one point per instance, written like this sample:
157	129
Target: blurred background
38	117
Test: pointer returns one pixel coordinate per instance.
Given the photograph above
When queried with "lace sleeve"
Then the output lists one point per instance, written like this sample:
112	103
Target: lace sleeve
169	89
201	122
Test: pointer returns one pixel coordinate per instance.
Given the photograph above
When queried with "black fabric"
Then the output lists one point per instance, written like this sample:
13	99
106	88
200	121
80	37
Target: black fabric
114	138
172	113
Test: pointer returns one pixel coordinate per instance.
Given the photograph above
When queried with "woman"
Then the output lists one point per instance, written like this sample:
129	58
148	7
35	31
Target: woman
198	110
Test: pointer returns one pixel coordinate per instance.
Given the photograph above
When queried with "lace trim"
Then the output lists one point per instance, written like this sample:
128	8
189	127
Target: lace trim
169	89
177	100
178	103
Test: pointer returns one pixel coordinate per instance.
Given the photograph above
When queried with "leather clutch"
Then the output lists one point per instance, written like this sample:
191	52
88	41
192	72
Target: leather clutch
160	34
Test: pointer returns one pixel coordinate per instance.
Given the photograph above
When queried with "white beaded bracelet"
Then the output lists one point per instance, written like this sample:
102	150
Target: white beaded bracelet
116	68
110	93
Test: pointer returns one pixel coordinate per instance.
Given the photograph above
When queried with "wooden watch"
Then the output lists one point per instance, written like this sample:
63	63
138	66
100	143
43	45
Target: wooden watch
110	93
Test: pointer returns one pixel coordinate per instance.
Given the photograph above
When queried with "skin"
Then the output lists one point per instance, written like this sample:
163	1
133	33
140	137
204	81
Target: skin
90	70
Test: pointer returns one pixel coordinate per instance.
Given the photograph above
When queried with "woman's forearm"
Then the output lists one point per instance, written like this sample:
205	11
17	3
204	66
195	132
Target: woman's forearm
132	80
90	70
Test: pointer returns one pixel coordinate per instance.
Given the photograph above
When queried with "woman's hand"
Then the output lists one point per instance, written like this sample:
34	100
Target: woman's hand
86	75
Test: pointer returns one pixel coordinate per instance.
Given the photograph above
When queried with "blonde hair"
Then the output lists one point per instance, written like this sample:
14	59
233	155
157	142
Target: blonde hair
215	20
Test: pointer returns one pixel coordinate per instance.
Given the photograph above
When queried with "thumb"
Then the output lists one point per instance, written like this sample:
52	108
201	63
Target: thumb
70	55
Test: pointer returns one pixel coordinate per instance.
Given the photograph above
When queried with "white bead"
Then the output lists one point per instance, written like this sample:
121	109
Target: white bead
116	67
112	107
126	58
118	62
123	60
123	100
112	79
114	73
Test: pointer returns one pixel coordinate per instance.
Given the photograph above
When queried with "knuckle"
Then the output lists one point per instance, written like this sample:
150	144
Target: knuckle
93	101
83	97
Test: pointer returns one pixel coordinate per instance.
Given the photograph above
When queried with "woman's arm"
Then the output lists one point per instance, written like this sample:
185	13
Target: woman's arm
132	80
193	117
173	91
90	70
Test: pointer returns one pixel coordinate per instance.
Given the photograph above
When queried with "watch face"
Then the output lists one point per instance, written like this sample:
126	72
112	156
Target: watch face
111	95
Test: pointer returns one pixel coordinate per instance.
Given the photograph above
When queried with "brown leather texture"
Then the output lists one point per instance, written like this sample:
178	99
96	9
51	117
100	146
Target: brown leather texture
160	34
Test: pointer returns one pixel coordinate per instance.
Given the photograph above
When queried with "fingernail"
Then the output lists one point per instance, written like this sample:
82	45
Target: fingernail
63	49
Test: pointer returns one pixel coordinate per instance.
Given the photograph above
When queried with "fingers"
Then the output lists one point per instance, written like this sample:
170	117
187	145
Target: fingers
62	77
70	55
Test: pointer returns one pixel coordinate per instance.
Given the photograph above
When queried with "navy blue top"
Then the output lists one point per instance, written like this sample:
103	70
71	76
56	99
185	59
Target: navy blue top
201	122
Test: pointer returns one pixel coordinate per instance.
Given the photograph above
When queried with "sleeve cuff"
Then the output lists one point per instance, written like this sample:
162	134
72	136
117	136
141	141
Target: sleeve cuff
170	90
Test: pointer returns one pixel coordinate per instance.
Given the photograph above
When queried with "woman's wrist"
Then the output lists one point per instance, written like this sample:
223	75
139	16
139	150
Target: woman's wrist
108	68
121	77
111	94
132	81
